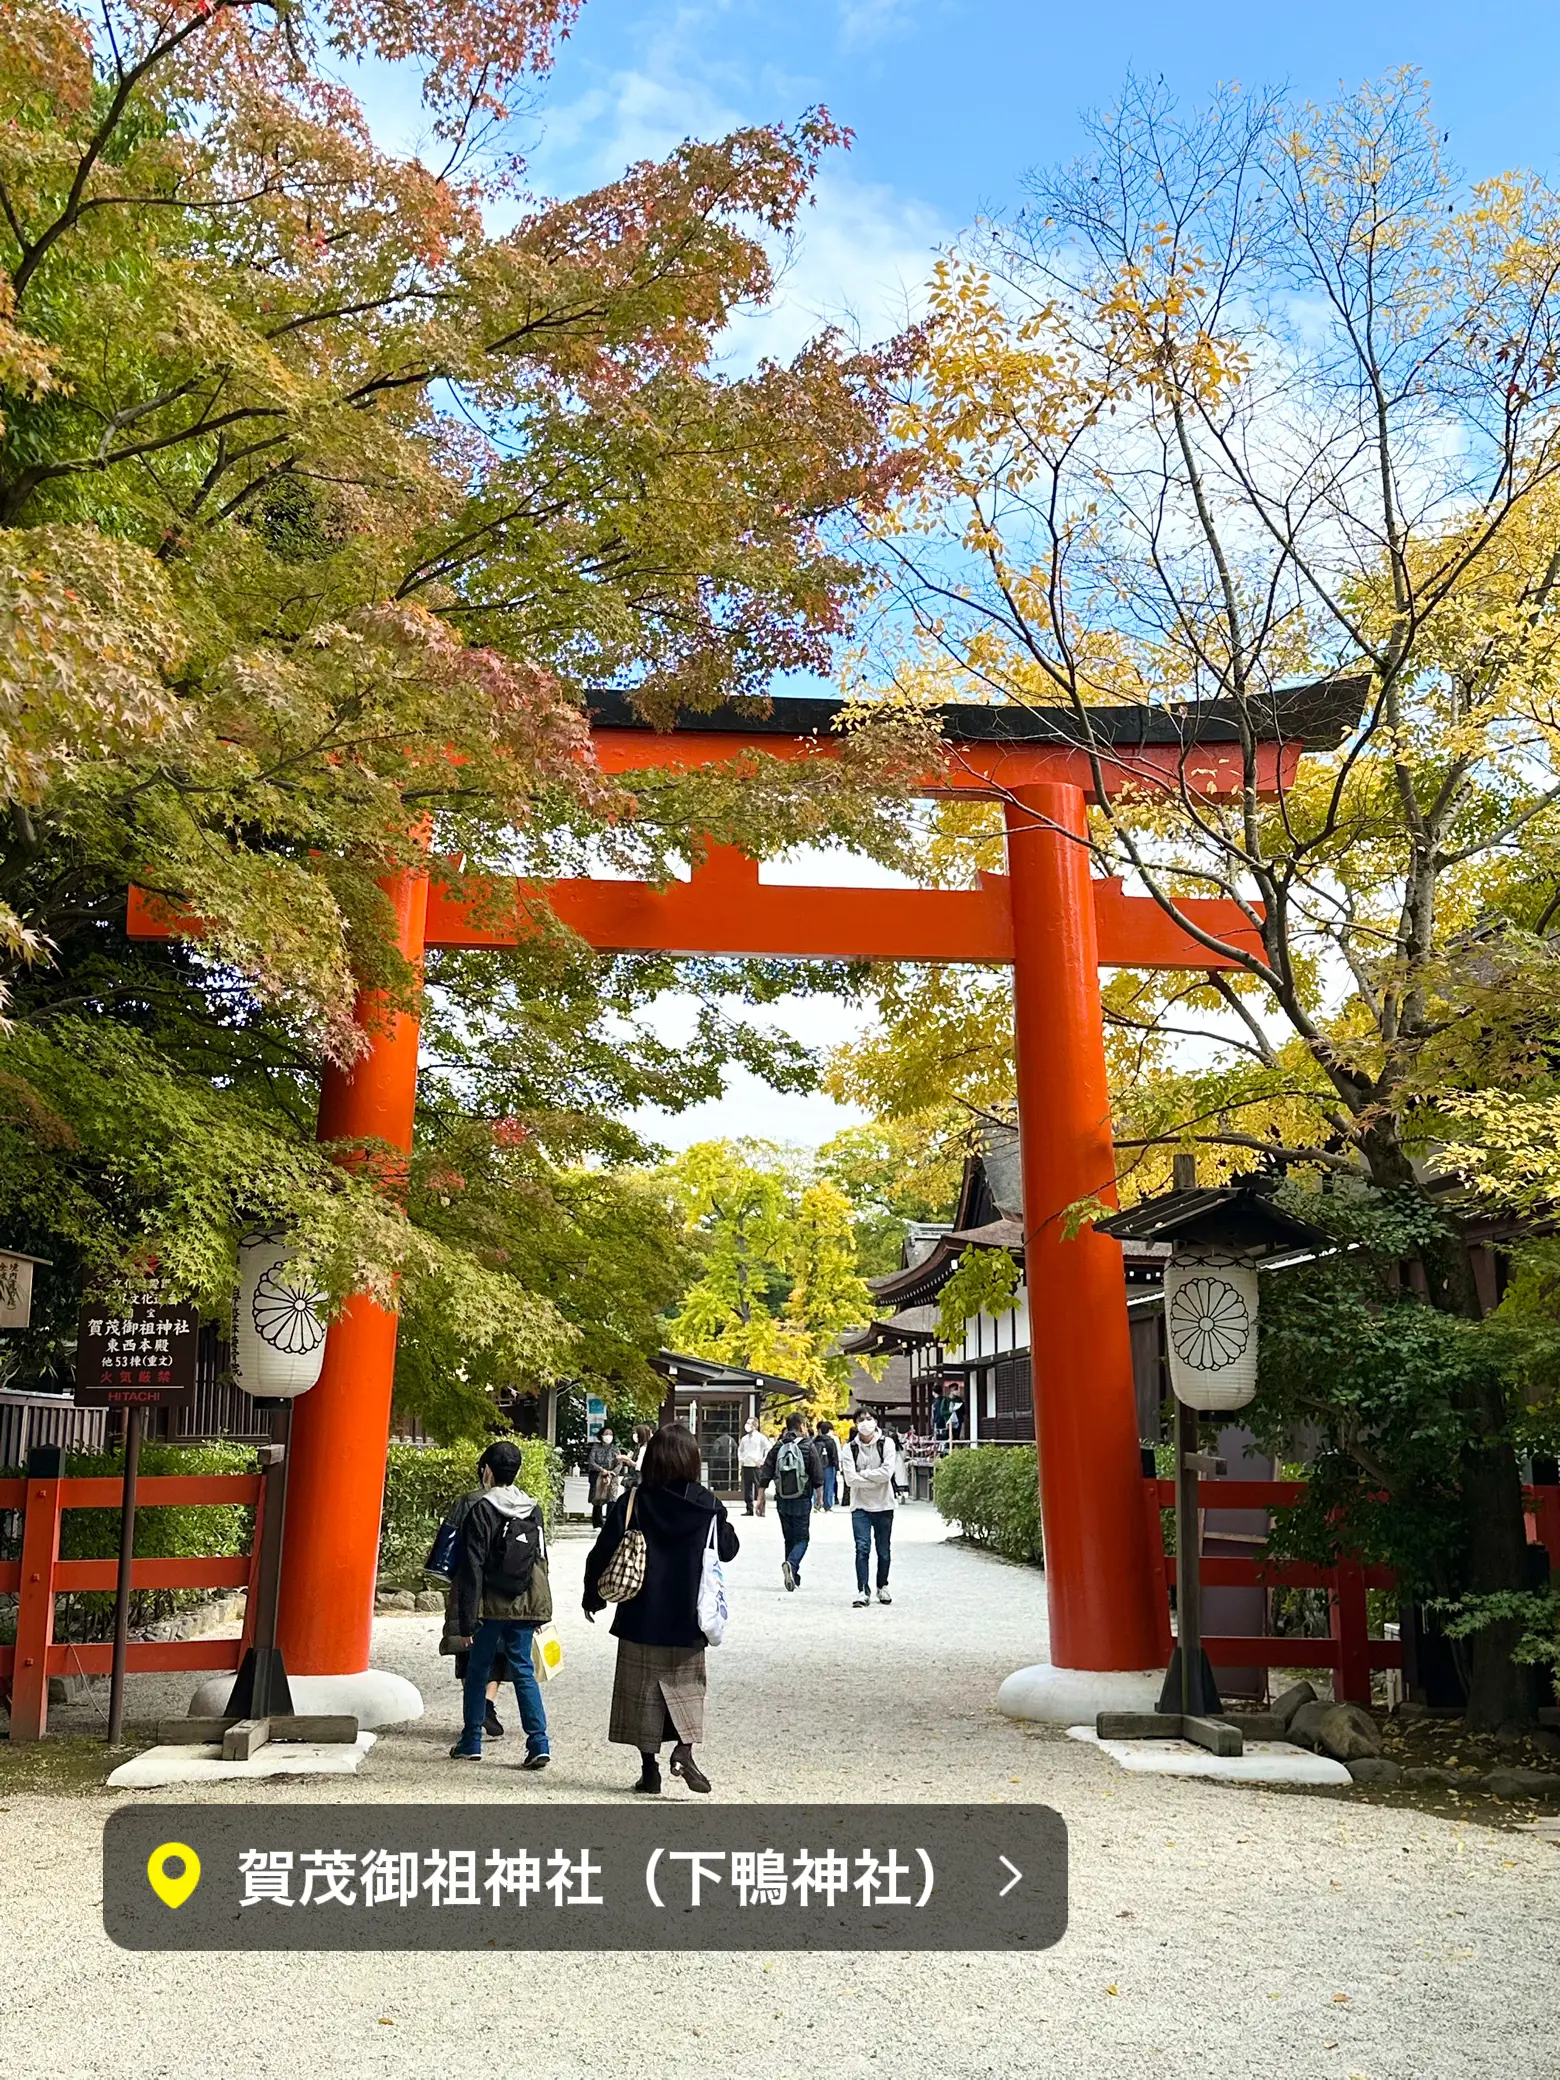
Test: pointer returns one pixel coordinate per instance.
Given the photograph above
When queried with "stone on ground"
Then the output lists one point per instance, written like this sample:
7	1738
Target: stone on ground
1348	1732
1523	1783
1289	1701
1374	1769
1305	1724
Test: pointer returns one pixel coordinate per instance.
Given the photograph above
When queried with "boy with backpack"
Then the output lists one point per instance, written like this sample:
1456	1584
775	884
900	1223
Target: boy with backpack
794	1467
501	1594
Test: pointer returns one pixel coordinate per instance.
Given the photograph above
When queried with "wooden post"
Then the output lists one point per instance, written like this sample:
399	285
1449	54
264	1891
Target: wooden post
1188	1552
1099	1585
1351	1629
35	1609
341	1438
116	1679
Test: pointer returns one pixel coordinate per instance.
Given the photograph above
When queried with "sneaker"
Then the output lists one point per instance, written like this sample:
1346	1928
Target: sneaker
461	1753
788	1574
536	1761
863	1602
884	1597
492	1725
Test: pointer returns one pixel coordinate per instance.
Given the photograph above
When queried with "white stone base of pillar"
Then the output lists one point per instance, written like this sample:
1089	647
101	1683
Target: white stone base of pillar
1072	1696
374	1697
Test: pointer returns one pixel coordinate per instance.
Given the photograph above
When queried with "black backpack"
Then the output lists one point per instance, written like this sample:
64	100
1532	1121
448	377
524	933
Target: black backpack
512	1555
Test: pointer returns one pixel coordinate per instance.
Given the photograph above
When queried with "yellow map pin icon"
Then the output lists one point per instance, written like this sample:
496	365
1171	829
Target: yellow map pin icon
173	1891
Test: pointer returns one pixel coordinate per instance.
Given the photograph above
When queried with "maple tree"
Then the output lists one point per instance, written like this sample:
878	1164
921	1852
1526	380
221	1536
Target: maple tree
326	508
1252	394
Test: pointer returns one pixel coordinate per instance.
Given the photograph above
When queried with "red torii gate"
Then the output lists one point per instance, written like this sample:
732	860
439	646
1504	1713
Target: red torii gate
1048	917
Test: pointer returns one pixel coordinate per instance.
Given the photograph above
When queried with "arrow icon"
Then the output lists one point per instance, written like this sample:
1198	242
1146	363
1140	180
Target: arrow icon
1017	1875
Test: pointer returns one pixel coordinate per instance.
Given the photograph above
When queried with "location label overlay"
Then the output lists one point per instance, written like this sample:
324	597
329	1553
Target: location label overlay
544	1876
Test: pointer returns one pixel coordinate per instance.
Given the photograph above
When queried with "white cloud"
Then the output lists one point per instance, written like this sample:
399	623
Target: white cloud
861	253
864	23
860	260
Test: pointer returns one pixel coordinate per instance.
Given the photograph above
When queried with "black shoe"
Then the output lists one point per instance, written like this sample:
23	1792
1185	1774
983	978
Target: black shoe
685	1767
460	1754
649	1779
492	1725
536	1761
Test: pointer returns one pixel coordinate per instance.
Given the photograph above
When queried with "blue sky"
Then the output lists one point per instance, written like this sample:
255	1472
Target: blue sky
952	102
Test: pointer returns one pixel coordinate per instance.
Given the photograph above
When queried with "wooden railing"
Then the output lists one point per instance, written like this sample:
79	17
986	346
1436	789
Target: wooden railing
40	1575
1349	1650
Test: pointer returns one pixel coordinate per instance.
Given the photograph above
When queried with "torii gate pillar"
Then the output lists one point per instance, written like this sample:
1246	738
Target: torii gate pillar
1098	1582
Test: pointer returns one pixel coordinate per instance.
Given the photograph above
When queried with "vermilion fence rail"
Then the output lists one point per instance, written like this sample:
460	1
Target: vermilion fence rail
41	1575
1349	1652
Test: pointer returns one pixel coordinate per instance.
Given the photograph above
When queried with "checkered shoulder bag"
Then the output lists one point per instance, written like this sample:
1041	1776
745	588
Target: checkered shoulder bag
621	1580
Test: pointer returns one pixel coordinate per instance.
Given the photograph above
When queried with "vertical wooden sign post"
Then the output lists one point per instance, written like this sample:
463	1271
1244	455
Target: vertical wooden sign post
132	1357
134	1418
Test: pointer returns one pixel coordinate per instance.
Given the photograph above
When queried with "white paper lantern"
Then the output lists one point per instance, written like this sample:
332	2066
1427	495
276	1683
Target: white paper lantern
278	1323
1211	1328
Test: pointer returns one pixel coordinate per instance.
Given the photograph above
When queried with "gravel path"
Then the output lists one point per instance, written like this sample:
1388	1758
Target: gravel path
1214	1929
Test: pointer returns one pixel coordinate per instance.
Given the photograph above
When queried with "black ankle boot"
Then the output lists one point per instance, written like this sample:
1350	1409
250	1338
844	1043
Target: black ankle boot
684	1766
649	1774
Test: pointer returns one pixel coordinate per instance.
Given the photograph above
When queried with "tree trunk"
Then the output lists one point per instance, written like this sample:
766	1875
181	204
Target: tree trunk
1500	1690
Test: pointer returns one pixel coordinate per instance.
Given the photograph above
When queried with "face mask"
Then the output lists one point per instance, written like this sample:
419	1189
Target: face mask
867	1430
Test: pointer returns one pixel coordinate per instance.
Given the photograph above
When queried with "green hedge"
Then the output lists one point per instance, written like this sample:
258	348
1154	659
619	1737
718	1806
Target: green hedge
422	1481
164	1533
991	1491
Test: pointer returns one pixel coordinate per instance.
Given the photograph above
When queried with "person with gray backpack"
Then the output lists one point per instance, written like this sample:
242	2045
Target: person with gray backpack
794	1467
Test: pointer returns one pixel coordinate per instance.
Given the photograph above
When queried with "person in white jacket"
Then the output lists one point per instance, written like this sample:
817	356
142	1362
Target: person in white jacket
751	1454
870	1465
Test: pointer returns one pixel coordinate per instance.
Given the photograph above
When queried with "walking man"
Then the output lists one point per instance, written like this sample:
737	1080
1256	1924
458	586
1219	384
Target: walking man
793	1467
871	1469
502	1594
829	1460
751	1454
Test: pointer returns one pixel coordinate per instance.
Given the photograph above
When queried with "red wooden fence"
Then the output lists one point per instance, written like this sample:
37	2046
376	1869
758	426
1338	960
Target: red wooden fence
41	1575
1350	1652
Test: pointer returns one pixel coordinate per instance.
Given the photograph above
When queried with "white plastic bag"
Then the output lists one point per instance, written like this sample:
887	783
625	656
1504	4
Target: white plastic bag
713	1609
546	1653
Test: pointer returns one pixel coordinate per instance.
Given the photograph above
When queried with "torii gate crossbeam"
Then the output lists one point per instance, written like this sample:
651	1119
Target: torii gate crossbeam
1048	918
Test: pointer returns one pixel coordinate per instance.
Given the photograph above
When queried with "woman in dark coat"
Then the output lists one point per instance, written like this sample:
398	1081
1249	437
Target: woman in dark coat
658	1692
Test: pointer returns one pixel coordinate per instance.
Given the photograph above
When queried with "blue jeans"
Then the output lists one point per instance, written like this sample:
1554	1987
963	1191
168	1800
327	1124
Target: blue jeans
514	1636
796	1530
831	1483
867	1525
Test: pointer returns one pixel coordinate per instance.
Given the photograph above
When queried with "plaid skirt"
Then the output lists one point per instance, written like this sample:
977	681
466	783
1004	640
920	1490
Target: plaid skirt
657	1695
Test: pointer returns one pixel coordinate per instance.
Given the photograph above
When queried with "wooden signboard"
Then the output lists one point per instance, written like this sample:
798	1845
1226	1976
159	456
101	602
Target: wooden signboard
140	1356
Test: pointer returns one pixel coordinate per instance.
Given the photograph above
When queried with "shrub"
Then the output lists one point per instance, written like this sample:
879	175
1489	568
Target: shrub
163	1533
421	1482
991	1492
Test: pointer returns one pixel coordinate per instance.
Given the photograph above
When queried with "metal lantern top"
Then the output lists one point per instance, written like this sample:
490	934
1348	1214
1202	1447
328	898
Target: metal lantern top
1239	1219
1216	1237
